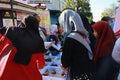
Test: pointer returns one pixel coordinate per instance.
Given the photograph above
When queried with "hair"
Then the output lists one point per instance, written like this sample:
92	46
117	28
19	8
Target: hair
106	18
35	14
93	22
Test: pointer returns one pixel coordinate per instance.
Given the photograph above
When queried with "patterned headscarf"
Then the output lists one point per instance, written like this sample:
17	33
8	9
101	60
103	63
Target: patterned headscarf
72	26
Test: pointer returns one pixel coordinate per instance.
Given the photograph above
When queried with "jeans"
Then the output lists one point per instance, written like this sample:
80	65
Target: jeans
54	52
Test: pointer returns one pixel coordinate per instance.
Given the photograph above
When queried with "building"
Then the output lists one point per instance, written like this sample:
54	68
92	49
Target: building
55	9
54	6
21	9
9	16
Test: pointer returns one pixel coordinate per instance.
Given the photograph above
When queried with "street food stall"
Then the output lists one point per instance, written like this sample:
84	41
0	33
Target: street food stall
52	69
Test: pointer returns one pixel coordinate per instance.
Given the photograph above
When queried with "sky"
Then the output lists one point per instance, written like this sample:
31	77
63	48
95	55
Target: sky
98	6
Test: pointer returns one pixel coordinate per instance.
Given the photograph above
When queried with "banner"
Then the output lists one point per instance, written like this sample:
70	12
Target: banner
45	18
39	1
6	16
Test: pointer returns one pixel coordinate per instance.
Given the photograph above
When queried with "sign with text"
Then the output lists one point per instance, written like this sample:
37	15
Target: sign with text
8	22
8	14
39	1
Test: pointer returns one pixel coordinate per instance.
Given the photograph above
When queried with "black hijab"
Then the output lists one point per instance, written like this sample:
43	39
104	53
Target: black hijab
89	29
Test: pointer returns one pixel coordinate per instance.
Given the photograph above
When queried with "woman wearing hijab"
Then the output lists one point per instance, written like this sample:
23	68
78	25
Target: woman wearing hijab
53	37
103	50
29	50
77	57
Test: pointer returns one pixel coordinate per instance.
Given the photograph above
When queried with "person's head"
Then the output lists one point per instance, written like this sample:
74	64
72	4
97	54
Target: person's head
37	17
107	19
69	20
86	23
53	28
73	27
103	29
31	23
93	22
105	39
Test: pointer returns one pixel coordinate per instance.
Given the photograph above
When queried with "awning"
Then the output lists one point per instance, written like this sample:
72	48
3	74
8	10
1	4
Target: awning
17	6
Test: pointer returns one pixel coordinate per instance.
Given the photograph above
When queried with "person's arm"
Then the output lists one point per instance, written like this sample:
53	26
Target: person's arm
116	51
67	54
57	47
48	46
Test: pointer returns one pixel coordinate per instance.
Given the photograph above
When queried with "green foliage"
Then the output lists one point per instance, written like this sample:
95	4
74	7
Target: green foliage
81	6
109	11
118	1
69	4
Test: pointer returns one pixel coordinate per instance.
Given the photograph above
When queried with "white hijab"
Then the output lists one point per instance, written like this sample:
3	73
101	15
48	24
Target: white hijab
65	19
53	28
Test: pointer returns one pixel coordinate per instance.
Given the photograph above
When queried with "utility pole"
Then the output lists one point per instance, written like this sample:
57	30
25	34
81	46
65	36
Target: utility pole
75	1
12	12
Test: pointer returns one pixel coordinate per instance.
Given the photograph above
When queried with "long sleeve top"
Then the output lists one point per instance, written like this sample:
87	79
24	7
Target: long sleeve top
116	51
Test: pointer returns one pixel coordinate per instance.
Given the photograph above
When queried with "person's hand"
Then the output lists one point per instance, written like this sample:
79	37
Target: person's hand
65	69
60	50
53	42
47	47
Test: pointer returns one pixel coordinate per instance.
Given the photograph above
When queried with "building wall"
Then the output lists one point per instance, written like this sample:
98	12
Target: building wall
6	18
5	8
56	5
54	14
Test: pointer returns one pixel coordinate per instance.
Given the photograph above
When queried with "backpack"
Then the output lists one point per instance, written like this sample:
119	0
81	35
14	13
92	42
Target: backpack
7	51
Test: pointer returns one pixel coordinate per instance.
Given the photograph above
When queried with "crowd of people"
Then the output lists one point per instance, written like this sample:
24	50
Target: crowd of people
89	51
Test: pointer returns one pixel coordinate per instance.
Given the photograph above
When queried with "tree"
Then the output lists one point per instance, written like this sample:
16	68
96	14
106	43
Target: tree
70	4
81	6
118	0
109	11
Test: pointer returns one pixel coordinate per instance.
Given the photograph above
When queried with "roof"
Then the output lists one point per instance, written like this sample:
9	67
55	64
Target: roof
17	6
